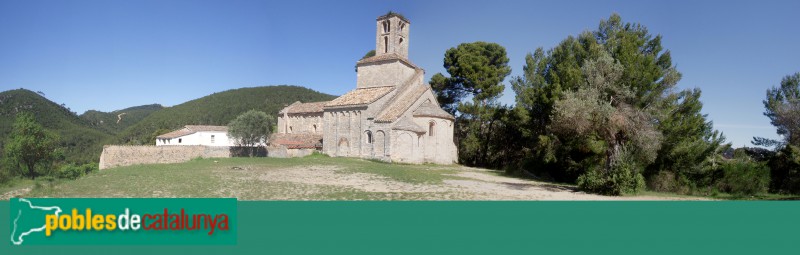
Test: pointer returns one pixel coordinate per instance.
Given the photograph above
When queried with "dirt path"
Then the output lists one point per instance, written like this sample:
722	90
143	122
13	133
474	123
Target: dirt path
14	193
467	184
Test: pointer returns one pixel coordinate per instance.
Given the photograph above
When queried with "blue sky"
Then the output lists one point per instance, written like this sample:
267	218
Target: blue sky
109	55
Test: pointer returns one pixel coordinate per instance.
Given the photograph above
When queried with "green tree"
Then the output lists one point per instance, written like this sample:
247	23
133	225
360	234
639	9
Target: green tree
30	145
368	55
447	98
476	70
603	96
691	148
601	113
250	129
782	107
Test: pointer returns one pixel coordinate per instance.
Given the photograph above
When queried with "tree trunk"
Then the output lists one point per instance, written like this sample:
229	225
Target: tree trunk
31	169
611	155
486	141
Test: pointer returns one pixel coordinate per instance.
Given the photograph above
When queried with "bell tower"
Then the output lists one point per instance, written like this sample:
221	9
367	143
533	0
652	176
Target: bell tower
392	35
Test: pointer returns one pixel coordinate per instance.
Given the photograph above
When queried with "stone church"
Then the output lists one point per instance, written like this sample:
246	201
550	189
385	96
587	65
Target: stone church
391	115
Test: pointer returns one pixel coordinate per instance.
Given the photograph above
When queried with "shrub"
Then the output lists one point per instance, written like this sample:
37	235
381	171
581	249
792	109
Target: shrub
785	171
90	168
623	178
744	177
664	181
70	171
73	172
5	176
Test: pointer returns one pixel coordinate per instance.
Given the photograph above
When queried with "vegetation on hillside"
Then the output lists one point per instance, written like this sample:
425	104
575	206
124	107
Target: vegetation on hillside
217	109
81	138
119	120
78	141
31	150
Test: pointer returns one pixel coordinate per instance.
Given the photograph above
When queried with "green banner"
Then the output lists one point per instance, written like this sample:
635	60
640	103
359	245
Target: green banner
120	221
460	227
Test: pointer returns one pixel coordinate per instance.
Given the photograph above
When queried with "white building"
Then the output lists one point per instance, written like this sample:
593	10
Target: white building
197	135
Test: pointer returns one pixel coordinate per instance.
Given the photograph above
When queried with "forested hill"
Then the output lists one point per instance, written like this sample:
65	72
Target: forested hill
82	137
80	142
117	121
217	109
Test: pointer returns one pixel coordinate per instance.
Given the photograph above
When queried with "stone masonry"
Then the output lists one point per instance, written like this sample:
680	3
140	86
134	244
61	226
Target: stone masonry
391	115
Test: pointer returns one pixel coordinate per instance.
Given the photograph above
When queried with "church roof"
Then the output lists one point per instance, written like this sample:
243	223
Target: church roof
298	108
393	14
191	129
387	57
296	141
406	124
360	96
429	109
401	104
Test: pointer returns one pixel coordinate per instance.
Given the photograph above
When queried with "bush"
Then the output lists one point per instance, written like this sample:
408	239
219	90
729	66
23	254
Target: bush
624	178
73	172
744	177
664	181
785	171
5	176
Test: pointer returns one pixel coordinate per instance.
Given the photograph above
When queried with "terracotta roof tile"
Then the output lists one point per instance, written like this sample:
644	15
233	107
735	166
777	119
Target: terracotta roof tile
401	104
392	14
298	108
198	128
405	123
360	96
429	109
191	129
387	57
296	141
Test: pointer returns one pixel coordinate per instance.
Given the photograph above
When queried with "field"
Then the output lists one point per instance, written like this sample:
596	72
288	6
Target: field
315	177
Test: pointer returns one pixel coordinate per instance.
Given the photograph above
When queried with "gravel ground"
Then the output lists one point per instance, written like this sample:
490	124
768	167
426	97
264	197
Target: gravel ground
317	182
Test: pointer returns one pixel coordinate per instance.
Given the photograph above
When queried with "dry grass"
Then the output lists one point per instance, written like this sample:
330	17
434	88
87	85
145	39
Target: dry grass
311	178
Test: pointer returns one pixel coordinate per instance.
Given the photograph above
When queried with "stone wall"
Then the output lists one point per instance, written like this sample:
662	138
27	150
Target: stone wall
378	74
300	124
283	152
126	155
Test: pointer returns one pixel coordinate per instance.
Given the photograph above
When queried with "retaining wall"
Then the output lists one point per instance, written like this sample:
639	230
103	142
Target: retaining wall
127	155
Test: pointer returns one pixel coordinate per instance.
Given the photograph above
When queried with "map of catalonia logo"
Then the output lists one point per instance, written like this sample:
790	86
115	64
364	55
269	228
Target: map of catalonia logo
123	221
28	219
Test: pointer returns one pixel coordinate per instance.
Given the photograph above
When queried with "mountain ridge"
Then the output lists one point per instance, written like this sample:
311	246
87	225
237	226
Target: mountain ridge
83	136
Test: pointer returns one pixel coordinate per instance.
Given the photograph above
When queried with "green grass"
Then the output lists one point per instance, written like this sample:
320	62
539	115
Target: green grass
316	177
238	177
15	184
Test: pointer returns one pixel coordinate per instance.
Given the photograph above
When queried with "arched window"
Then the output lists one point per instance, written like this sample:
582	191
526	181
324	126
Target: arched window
385	44
180	140
314	127
369	136
290	129
431	127
401	40
402	25
386	27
